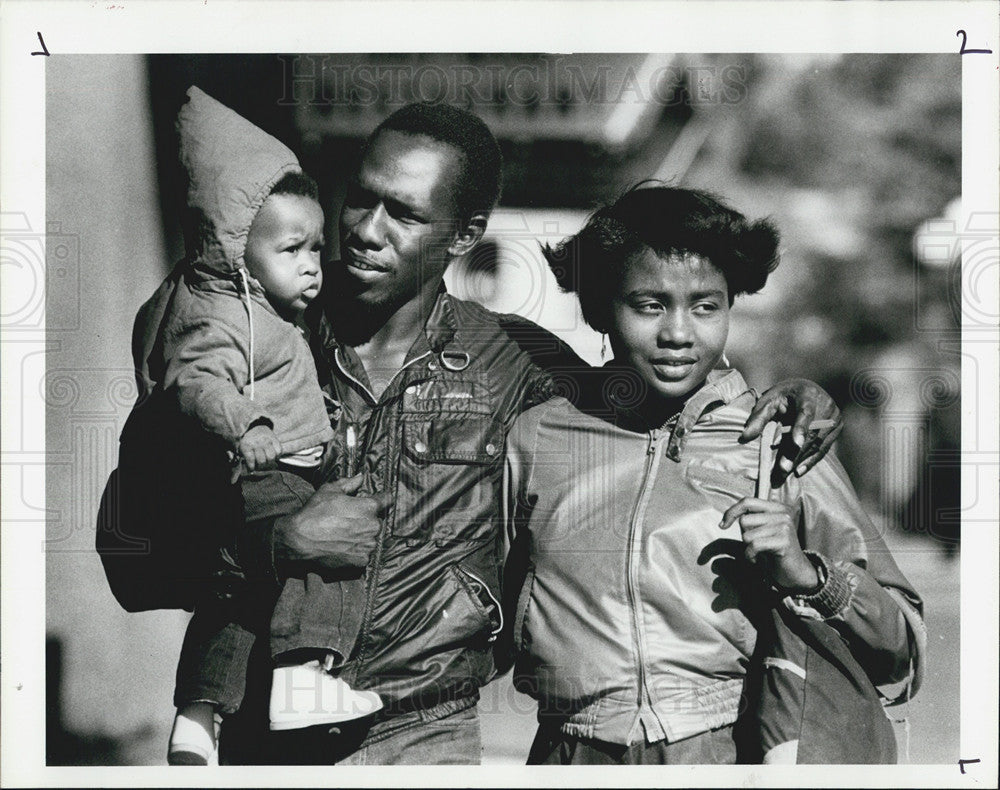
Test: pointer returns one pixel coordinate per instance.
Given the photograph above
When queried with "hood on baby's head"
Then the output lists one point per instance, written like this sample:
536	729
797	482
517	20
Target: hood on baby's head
232	166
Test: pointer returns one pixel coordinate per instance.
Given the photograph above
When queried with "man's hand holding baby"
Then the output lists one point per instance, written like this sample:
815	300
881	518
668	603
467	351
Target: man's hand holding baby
336	529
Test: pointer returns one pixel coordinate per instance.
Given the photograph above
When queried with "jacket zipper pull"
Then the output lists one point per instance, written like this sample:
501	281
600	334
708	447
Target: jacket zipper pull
351	450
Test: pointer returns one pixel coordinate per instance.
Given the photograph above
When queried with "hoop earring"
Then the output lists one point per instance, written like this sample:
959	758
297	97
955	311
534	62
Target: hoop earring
604	347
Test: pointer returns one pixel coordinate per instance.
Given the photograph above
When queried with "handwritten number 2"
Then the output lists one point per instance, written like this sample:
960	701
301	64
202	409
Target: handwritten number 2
45	49
963	51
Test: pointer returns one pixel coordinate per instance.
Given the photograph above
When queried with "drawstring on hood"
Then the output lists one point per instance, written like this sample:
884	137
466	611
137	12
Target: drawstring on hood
246	291
232	167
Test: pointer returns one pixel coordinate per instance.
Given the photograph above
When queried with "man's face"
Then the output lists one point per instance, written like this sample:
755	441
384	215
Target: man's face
398	220
670	320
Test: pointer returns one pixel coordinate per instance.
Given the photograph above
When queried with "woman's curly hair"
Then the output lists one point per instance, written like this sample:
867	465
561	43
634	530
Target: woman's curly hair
670	221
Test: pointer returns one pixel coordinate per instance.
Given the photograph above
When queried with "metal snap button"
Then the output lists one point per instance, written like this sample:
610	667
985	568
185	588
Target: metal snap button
420	447
491	448
411	390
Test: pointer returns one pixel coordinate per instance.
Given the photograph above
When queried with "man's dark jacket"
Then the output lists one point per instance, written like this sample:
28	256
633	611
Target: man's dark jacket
434	441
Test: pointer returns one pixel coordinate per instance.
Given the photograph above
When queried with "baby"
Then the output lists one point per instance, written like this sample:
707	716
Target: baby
236	358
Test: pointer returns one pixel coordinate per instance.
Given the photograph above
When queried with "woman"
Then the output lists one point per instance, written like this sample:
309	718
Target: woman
637	620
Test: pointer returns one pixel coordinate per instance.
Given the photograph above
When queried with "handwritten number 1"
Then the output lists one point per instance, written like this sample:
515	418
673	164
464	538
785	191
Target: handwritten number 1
45	49
964	51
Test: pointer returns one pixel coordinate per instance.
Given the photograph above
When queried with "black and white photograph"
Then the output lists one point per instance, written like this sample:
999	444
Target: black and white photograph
603	386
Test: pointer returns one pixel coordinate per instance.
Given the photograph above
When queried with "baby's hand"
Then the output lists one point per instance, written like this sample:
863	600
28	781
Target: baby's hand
770	535
259	448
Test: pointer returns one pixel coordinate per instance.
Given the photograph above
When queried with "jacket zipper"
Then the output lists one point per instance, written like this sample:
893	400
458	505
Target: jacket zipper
635	533
376	560
368	392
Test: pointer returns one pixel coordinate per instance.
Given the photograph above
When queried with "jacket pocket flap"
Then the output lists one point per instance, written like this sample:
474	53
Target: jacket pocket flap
435	396
720	482
464	439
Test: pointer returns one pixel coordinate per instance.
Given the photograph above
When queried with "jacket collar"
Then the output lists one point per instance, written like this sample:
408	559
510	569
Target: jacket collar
440	336
439	328
206	279
722	387
442	323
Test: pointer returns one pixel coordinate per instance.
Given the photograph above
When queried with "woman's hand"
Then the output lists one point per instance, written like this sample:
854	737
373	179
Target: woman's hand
771	537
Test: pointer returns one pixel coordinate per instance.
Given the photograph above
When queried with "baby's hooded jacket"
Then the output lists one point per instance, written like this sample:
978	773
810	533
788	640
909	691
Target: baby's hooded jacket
208	335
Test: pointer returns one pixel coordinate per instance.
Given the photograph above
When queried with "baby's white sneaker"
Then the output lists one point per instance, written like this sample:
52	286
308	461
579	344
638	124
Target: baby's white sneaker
305	695
193	739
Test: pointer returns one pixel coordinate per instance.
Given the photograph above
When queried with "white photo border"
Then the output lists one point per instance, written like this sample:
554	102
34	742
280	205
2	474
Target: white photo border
228	26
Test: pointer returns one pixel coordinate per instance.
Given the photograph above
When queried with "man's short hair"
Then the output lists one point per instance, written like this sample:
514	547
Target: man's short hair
481	164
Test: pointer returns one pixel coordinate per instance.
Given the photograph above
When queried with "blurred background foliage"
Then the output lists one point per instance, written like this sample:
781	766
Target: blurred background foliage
849	154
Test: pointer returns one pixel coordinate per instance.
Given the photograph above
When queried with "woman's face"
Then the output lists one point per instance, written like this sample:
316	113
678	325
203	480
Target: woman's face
669	321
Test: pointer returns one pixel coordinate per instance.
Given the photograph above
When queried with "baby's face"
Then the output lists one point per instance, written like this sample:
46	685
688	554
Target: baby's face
283	251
